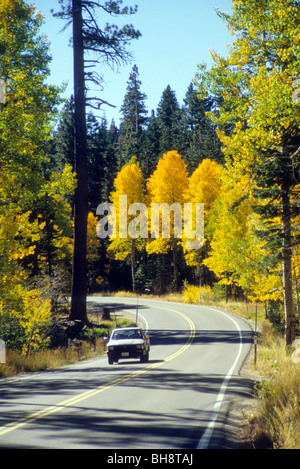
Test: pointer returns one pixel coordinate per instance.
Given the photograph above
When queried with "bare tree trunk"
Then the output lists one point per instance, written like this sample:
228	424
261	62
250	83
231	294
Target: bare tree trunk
175	266
287	268
133	263
79	282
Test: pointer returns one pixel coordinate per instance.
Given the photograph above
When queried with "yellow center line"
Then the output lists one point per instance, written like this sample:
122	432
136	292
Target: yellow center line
93	392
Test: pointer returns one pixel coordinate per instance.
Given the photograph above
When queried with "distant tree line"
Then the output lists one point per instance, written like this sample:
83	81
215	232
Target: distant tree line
147	136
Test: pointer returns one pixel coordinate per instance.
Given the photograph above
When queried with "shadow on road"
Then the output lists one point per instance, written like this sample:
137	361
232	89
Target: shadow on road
85	426
180	337
118	426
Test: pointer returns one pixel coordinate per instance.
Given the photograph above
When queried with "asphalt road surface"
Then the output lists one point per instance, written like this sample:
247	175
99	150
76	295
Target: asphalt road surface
178	400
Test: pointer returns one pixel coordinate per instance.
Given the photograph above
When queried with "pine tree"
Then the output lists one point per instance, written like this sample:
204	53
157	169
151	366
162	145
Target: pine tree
63	138
203	139
108	44
170	118
134	117
102	164
150	146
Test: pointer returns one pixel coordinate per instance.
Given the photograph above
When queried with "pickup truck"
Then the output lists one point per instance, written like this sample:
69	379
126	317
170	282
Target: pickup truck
128	342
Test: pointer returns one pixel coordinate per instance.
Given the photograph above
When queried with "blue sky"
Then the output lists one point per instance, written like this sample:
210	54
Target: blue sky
177	35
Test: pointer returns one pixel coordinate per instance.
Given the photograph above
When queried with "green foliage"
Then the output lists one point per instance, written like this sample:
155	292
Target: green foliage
171	123
134	118
11	332
35	223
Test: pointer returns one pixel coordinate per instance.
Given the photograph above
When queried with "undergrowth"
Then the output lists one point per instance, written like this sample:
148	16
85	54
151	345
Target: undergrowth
276	419
90	344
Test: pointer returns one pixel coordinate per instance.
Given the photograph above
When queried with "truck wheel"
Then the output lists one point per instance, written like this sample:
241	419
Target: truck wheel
110	361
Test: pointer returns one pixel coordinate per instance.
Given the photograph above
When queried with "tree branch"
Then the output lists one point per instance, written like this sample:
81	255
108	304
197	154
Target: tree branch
100	102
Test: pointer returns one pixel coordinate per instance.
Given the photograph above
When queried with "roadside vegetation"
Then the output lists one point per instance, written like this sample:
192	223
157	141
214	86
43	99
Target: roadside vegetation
275	420
67	343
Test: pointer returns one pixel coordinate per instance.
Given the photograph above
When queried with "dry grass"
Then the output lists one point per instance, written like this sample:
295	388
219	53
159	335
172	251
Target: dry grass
276	420
16	363
247	311
173	297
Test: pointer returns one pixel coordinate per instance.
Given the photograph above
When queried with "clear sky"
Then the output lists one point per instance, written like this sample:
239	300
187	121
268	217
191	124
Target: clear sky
177	35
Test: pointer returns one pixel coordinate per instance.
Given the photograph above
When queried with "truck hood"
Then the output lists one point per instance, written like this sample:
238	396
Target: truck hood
115	343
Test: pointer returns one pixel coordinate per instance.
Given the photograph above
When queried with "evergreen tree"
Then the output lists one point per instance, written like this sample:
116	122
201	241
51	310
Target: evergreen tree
150	146
203	139
113	133
171	123
63	138
102	164
108	44
134	117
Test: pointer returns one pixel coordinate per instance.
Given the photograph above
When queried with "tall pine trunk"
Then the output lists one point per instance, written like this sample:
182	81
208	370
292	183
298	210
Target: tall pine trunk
79	280
287	267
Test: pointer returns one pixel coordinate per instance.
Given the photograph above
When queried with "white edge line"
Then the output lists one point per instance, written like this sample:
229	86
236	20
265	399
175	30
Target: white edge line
205	439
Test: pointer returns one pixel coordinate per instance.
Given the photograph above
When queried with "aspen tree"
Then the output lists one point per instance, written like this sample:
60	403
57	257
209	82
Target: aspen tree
259	122
167	185
129	190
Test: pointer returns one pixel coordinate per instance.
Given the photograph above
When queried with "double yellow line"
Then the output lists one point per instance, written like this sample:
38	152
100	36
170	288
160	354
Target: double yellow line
93	392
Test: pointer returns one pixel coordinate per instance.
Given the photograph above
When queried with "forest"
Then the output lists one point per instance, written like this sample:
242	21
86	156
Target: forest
123	161
233	145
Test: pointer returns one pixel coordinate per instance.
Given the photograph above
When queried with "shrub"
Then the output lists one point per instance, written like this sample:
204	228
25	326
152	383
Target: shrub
197	295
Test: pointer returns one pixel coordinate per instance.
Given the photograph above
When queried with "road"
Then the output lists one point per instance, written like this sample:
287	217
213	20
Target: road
177	400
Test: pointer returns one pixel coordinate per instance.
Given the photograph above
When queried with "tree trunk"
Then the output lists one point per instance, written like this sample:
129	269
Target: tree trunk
175	266
133	263
287	268
79	281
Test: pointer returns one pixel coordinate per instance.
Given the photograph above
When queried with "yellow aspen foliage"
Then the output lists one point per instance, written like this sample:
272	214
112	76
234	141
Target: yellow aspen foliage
197	295
166	190
16	237
237	255
167	185
92	239
204	187
130	183
33	317
169	181
34	211
204	184
259	123
129	190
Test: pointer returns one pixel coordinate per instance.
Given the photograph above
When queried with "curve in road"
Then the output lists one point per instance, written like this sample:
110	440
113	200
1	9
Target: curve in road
174	350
